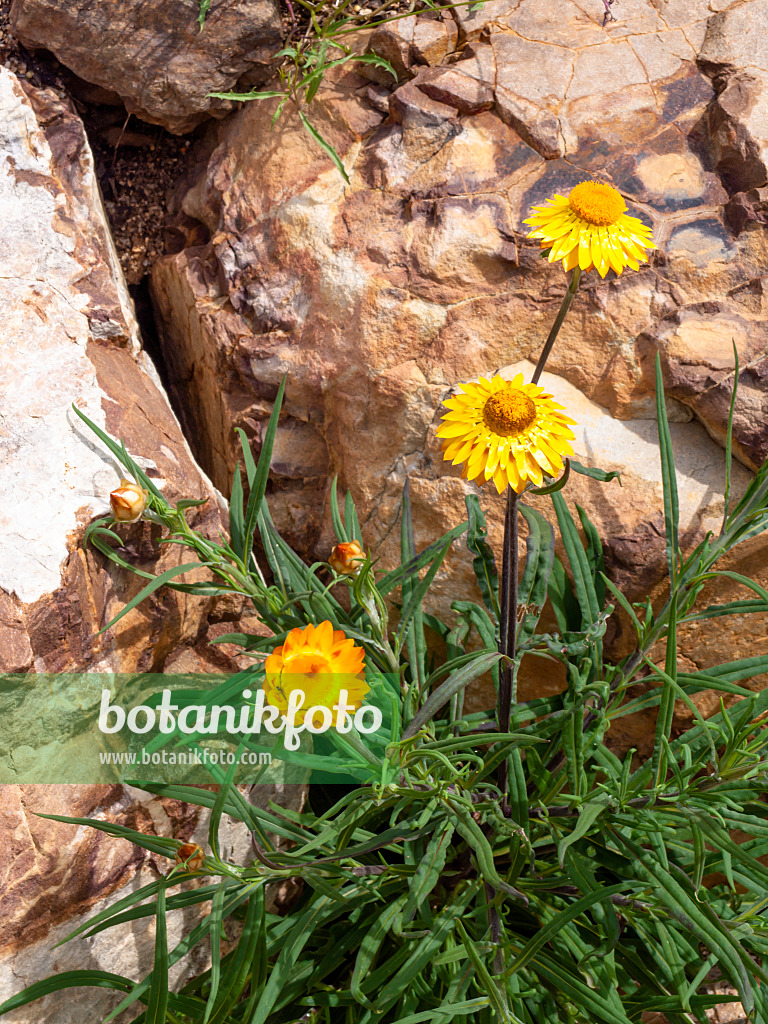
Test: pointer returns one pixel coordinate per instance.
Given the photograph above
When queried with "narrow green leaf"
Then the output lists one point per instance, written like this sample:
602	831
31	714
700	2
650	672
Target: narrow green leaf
486	982
429	870
668	477
729	439
351	522
404	572
157	1001
539	560
588	815
417	595
370	946
484	561
66	980
577	558
259	487
118	450
338	524
242	97
555	925
455	682
241	964
156	844
326	146
595	474
150	588
236	517
220	803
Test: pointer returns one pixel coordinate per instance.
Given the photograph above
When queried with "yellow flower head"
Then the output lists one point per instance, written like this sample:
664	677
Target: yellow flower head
321	662
590	228
505	431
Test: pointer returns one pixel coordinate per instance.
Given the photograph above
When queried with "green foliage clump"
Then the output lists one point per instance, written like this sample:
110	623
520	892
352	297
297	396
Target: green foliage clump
590	888
321	36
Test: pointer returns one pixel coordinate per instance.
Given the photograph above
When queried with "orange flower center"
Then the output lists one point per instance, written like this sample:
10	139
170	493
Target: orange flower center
509	412
306	664
597	203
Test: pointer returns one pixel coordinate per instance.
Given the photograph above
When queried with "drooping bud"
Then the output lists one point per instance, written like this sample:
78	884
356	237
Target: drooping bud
191	856
128	501
347	557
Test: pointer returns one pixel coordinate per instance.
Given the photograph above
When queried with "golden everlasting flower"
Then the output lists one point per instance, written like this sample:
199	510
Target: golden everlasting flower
506	431
128	501
347	557
591	229
191	856
319	660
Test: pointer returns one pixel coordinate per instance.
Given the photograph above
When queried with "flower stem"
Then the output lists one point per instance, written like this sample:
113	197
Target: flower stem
508	629
549	344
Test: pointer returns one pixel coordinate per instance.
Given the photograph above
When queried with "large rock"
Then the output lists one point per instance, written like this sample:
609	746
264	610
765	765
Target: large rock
69	335
378	296
154	54
734	55
55	876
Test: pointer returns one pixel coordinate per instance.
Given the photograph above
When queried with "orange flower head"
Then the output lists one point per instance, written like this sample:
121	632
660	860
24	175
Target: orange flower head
191	856
347	557
321	662
128	501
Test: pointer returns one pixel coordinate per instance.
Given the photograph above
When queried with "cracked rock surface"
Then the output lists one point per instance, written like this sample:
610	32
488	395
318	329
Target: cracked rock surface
376	297
153	53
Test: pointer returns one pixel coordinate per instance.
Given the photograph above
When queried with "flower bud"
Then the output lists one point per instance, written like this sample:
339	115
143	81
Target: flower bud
346	558
191	856
128	501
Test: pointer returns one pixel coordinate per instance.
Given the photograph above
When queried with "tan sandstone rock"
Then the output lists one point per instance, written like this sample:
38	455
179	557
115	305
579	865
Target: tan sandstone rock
155	55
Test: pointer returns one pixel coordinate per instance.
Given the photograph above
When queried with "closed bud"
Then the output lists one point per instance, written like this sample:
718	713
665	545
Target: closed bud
128	501
191	856
346	558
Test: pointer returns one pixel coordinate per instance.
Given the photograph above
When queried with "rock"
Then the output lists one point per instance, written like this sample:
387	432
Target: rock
56	876
434	39
734	39
378	296
69	335
393	43
747	208
463	92
734	56
407	43
154	54
739	130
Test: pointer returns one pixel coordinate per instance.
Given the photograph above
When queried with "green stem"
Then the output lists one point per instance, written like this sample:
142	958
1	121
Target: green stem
507	630
549	344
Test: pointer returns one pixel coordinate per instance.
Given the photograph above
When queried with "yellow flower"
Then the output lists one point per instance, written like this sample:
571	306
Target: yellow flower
590	228
320	661
128	501
505	431
347	557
